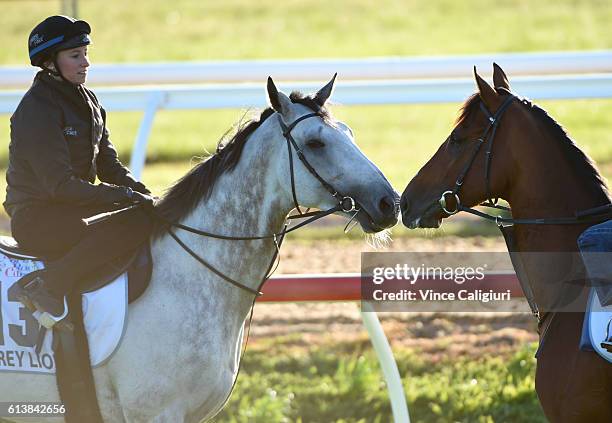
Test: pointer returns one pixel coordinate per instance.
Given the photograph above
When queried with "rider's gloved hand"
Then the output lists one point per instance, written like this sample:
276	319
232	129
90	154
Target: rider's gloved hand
147	201
131	197
140	187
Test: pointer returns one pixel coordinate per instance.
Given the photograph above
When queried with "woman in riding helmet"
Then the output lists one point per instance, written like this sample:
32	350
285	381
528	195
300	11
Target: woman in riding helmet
59	145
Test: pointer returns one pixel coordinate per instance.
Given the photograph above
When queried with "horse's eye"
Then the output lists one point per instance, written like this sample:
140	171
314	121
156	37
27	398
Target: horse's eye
315	143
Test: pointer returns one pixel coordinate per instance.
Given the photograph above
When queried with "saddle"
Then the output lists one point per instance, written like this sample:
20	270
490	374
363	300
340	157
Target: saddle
71	348
138	265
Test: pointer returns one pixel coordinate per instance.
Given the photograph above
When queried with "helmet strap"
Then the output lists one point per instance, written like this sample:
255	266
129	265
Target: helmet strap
55	72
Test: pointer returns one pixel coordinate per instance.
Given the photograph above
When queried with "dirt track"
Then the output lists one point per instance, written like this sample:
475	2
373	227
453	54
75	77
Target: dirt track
436	334
344	256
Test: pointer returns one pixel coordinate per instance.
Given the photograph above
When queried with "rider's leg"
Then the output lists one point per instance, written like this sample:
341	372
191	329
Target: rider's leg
47	231
596	249
102	242
92	246
51	230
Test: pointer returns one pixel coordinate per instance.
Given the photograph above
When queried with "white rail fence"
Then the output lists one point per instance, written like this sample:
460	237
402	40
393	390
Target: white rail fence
380	68
237	95
372	86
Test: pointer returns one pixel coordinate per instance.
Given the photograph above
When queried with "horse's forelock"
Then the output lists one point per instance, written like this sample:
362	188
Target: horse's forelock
468	107
309	101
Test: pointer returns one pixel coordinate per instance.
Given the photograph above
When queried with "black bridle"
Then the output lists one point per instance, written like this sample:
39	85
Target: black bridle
345	204
595	214
505	225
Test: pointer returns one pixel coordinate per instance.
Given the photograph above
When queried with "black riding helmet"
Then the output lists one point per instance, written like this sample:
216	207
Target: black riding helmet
54	34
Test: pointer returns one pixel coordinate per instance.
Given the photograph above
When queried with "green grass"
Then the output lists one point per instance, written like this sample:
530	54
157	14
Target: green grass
158	30
337	383
329	384
399	138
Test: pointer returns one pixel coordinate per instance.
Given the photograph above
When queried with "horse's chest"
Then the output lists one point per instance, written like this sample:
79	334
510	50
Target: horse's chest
193	363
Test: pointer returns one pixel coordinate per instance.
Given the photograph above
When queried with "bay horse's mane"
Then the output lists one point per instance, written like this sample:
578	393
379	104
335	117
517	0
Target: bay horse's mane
186	193
576	158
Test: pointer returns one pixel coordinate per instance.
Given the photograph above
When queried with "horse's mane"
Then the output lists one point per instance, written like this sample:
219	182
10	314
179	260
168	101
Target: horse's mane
577	159
186	193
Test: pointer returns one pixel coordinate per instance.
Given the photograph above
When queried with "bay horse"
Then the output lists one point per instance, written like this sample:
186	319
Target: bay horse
527	159
180	354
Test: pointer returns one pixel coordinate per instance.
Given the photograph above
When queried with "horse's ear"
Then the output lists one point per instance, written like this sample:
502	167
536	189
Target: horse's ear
487	93
278	100
325	93
500	80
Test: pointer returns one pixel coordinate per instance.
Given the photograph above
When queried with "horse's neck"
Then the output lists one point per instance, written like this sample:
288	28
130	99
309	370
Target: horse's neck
244	202
548	186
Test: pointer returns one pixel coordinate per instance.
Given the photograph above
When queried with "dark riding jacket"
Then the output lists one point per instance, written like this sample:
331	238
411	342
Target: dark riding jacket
59	144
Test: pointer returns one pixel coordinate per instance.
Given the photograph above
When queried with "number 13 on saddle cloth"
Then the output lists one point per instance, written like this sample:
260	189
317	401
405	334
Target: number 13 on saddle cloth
104	312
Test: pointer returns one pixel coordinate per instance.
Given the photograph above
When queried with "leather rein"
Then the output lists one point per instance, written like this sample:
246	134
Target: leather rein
595	214
345	203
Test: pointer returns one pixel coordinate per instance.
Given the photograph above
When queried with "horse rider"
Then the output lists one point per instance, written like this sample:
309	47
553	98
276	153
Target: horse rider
59	145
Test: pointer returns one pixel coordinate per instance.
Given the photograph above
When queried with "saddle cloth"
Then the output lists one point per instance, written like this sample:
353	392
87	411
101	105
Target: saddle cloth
104	311
596	327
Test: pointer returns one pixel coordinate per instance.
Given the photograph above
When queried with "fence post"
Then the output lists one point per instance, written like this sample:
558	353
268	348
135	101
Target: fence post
139	152
387	364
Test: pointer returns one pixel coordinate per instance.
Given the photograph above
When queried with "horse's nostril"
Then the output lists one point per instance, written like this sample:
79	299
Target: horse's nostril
387	205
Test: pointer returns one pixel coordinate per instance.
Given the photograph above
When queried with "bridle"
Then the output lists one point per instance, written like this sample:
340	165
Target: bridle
595	214
345	204
487	135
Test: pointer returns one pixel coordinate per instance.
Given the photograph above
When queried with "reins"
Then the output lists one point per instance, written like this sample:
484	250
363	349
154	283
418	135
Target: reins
345	203
596	214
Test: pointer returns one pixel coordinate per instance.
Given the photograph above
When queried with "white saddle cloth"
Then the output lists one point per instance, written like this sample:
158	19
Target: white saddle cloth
598	323
104	313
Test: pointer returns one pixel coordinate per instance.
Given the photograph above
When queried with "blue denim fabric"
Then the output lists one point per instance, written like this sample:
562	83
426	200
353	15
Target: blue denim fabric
598	239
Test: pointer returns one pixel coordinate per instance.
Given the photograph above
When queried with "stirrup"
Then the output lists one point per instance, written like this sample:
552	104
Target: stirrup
22	295
49	321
